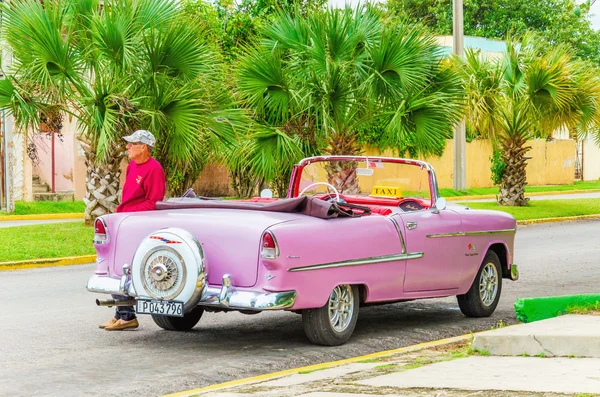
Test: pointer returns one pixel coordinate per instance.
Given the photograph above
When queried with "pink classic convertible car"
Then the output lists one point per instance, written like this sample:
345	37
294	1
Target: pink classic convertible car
352	231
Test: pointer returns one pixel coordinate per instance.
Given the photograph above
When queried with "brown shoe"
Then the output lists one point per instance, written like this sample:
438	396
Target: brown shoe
122	324
108	323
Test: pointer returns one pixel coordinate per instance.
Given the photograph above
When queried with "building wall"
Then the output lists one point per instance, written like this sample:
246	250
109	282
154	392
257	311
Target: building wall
551	163
591	160
64	157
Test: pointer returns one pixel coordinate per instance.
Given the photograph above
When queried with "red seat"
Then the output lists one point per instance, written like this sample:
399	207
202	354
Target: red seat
380	210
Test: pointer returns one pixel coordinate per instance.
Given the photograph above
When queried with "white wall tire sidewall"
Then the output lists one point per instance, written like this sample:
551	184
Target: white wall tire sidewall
188	249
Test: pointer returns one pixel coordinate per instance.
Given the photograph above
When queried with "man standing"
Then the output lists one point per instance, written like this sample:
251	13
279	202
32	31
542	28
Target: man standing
144	186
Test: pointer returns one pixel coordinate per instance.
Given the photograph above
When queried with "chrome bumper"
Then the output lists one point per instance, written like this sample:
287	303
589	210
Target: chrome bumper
226	297
107	285
514	272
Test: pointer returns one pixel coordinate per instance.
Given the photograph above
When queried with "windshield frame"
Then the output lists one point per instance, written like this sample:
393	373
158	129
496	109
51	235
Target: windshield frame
296	177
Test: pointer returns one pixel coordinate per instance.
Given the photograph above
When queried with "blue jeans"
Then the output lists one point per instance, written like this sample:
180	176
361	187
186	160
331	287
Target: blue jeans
125	313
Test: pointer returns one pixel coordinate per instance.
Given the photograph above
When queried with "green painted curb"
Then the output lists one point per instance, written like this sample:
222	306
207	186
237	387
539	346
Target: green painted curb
535	309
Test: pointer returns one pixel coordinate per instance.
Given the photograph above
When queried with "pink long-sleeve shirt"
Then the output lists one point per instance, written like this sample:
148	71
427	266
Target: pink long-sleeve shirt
144	186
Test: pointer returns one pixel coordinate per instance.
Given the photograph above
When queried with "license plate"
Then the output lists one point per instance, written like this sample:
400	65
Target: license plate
163	308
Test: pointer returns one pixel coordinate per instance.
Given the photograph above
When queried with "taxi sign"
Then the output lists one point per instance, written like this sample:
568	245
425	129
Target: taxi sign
386	191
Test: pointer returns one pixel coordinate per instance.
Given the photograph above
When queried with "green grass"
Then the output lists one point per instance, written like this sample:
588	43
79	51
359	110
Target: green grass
51	240
584	309
539	209
387	366
46	207
479	352
578	185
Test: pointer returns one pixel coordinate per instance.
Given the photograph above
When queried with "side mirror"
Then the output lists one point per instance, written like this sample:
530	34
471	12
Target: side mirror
440	203
266	193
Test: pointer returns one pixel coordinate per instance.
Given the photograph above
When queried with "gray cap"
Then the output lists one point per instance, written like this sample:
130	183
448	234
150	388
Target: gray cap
141	136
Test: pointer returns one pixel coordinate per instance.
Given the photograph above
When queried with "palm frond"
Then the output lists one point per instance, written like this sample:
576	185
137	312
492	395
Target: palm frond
270	151
39	31
176	50
263	85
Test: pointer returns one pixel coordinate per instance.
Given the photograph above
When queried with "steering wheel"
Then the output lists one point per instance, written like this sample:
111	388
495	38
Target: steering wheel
337	195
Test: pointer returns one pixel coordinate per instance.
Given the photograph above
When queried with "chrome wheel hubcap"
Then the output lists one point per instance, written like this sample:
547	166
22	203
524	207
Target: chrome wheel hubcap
488	284
341	307
163	273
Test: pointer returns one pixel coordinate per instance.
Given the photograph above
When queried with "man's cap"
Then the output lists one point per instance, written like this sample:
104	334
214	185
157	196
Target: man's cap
141	136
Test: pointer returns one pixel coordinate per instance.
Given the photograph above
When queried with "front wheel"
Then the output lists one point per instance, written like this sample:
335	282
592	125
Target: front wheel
483	296
185	323
333	324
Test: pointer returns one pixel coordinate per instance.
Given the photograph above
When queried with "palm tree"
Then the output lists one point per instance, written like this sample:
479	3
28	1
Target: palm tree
119	67
317	79
530	92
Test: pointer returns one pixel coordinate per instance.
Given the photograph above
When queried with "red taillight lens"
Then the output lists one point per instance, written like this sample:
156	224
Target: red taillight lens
269	248
100	234
99	227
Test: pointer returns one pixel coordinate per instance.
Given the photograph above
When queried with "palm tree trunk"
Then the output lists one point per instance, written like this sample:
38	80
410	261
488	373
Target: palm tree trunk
514	177
342	175
103	190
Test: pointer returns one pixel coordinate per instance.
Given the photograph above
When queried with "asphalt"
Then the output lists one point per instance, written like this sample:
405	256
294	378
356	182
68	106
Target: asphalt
553	357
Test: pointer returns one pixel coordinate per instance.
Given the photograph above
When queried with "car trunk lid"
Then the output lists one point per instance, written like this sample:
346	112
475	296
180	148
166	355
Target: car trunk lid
230	238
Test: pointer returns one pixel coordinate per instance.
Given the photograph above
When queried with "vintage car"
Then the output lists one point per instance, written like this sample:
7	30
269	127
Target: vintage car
352	231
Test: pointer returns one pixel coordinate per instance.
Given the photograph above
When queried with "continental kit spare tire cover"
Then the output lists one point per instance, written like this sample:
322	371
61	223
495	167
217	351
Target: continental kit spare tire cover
169	264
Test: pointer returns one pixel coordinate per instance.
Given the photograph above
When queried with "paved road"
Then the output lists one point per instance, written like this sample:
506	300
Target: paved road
50	346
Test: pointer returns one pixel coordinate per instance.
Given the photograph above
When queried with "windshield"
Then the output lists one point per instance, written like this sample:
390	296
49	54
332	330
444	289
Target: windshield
370	178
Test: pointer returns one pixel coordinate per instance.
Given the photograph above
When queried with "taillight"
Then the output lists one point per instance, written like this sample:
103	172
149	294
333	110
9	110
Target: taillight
269	248
100	232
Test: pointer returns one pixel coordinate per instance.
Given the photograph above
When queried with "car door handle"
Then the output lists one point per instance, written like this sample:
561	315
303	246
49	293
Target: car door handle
411	225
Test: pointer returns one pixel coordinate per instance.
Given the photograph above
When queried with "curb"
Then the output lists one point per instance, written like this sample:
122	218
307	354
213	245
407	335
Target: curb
35	263
535	309
315	367
490	196
40	217
561	219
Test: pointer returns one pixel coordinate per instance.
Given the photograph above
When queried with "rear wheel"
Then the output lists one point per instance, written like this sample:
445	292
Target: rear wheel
333	324
185	323
483	296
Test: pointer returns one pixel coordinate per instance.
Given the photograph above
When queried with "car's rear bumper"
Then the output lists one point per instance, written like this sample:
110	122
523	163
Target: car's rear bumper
224	297
103	284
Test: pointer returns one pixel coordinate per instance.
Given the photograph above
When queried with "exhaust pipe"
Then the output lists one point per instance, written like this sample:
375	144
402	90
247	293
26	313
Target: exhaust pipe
115	302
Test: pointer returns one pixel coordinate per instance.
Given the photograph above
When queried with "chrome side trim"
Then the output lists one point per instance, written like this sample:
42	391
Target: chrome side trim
482	232
399	230
247	300
106	285
359	262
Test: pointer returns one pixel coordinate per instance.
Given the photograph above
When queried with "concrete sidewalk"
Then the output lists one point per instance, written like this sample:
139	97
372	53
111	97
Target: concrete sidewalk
554	357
